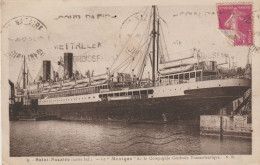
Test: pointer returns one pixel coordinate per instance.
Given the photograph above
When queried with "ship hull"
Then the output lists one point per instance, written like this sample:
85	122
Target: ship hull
190	106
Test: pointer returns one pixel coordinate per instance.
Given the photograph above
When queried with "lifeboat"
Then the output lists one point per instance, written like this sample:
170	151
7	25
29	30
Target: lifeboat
100	77
81	85
98	82
82	81
177	69
174	64
56	85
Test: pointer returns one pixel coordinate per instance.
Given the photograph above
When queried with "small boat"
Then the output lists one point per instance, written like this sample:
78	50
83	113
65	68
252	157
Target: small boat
54	89
98	82
66	87
177	70
56	85
174	64
81	85
82	81
100	77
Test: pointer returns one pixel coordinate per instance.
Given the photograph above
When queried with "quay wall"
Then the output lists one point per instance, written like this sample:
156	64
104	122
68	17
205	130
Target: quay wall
239	126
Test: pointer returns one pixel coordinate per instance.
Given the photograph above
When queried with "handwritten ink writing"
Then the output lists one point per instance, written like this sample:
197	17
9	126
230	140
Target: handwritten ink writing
132	51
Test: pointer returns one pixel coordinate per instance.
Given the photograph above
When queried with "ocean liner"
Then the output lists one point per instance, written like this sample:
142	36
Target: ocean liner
177	90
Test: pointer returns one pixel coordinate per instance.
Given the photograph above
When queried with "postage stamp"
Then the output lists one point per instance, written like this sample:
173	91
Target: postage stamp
235	20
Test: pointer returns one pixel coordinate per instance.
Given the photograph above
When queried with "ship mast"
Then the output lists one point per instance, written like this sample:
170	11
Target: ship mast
154	36
158	24
155	54
24	73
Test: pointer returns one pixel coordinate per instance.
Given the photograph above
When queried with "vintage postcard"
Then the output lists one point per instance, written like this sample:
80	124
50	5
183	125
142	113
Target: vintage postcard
130	82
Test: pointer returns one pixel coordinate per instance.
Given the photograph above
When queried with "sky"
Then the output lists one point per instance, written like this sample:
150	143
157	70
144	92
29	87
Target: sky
96	35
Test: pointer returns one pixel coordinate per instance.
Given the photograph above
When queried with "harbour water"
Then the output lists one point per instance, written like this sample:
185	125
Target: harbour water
76	138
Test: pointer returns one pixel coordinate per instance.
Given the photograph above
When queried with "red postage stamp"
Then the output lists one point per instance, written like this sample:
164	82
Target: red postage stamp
235	21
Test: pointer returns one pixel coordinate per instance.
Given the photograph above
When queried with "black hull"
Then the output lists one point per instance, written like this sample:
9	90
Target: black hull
188	107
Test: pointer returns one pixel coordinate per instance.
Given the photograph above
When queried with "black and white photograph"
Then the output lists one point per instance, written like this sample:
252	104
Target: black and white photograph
129	83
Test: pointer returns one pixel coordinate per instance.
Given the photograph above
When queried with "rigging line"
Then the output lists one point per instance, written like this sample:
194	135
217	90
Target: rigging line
139	60
161	51
148	46
140	74
142	55
162	59
19	75
164	42
126	42
127	66
166	49
146	35
148	32
147	40
147	29
30	76
120	66
40	70
149	53
139	47
114	34
77	67
143	36
159	17
117	70
142	69
124	58
28	72
151	59
133	56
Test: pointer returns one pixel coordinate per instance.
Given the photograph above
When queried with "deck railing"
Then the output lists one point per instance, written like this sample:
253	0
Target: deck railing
206	78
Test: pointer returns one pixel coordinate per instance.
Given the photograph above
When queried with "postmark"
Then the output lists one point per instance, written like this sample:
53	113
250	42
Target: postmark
235	21
25	37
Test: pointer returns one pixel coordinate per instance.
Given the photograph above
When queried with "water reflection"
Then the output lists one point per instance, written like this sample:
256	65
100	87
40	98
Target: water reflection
64	138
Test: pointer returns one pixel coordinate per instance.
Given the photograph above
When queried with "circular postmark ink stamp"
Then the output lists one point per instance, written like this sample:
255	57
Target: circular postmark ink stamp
25	37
